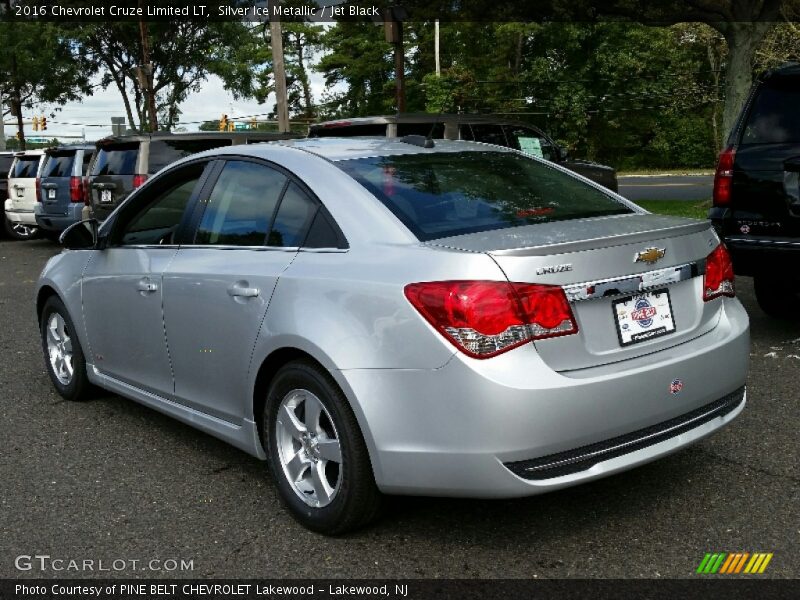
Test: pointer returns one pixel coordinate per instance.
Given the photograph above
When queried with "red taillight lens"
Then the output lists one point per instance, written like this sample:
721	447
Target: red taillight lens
139	180
723	178
76	189
486	318
38	189
718	280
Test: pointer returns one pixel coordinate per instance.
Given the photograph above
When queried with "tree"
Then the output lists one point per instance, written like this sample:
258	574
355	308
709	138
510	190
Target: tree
186	53
39	63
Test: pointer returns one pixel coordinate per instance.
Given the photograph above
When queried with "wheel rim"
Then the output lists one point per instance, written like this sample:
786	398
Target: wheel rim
308	448
23	230
59	348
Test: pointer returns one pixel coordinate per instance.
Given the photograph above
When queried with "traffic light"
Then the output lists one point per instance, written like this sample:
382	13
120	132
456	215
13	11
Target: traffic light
223	123
43	123
253	123
36	123
231	126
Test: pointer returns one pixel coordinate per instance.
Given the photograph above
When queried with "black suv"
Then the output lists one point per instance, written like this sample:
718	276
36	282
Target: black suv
121	164
757	192
479	128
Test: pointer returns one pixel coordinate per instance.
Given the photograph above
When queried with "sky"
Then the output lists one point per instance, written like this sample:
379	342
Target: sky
79	118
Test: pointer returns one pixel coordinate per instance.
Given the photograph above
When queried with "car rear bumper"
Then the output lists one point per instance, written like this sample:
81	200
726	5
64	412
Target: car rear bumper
18	215
52	222
756	255
472	427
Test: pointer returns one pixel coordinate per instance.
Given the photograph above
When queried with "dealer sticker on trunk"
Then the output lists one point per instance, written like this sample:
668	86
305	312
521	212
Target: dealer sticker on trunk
643	317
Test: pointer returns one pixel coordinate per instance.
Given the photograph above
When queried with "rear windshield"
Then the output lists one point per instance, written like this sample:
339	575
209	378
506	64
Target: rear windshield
453	193
117	159
774	117
25	166
59	165
164	152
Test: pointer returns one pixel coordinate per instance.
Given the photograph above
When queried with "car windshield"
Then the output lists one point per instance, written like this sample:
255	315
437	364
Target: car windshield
25	166
59	165
772	120
452	193
118	159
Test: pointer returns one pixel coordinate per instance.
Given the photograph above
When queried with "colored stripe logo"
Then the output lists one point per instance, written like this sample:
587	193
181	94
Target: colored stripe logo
730	563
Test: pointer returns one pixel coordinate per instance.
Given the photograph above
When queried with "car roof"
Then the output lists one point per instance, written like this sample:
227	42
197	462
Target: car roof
347	148
431	118
69	147
789	69
138	137
36	152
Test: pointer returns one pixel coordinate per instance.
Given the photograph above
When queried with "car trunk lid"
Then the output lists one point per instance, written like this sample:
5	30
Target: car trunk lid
595	261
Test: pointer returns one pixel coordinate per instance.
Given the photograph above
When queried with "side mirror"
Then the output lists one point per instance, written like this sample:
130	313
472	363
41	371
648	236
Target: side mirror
80	236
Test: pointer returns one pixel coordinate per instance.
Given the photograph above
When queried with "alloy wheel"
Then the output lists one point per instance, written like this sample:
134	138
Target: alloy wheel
59	348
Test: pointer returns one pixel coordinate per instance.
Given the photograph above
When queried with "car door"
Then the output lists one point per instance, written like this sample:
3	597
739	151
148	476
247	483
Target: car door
122	284
217	290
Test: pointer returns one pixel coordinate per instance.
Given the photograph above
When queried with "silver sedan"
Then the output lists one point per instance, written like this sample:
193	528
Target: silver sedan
386	316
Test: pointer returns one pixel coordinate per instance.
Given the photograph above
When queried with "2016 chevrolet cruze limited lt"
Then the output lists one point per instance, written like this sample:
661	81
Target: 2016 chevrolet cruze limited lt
379	316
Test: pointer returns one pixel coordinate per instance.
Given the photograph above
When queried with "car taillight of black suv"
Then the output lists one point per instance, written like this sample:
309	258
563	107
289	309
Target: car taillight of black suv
756	207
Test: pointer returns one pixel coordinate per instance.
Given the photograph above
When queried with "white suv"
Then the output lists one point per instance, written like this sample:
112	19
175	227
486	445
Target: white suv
23	194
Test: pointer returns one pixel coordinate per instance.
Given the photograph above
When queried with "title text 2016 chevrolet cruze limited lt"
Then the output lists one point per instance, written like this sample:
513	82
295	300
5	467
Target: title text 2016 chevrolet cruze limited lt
373	315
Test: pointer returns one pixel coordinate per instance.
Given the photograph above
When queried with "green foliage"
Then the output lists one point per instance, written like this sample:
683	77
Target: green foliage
678	208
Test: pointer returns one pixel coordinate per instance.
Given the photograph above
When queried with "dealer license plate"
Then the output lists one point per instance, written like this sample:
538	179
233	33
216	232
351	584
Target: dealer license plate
51	194
643	317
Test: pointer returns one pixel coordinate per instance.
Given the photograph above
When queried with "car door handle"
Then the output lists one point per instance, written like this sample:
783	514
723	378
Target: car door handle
146	286
240	289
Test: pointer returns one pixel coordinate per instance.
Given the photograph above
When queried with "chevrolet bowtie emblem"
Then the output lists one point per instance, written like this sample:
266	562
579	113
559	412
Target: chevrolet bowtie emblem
650	255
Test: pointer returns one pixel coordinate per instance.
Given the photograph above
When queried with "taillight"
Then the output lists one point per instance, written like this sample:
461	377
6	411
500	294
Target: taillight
38	189
486	318
718	280
139	180
723	177
76	189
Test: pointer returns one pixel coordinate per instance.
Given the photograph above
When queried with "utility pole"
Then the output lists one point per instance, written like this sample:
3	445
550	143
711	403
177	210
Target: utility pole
393	30
2	126
436	46
146	71
279	69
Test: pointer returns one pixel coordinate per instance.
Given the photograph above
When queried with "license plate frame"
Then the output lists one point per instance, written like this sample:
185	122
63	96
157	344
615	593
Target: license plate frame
643	316
105	197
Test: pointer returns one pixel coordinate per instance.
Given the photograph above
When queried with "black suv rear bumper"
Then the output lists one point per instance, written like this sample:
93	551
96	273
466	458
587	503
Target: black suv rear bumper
756	255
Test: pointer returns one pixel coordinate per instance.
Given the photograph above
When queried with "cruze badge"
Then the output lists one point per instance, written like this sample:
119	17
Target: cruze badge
554	269
650	255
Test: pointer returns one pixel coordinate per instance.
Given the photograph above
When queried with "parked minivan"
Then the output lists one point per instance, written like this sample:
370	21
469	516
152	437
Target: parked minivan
488	129
121	164
61	195
757	191
20	220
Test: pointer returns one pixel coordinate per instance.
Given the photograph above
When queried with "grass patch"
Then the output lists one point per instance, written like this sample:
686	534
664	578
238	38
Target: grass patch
676	171
694	209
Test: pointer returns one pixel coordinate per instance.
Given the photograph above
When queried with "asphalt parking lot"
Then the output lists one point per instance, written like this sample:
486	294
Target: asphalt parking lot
109	479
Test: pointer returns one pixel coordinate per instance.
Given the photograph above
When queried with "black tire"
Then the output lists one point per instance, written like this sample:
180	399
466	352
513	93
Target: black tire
357	500
777	297
78	387
17	232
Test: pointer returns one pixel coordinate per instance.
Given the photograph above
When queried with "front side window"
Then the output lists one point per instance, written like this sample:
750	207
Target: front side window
165	152
153	218
453	193
242	203
489	134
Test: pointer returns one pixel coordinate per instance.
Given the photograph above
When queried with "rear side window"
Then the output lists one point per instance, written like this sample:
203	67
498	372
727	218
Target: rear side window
293	218
59	165
774	117
87	159
377	129
434	130
25	166
117	159
165	152
241	205
453	193
529	141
